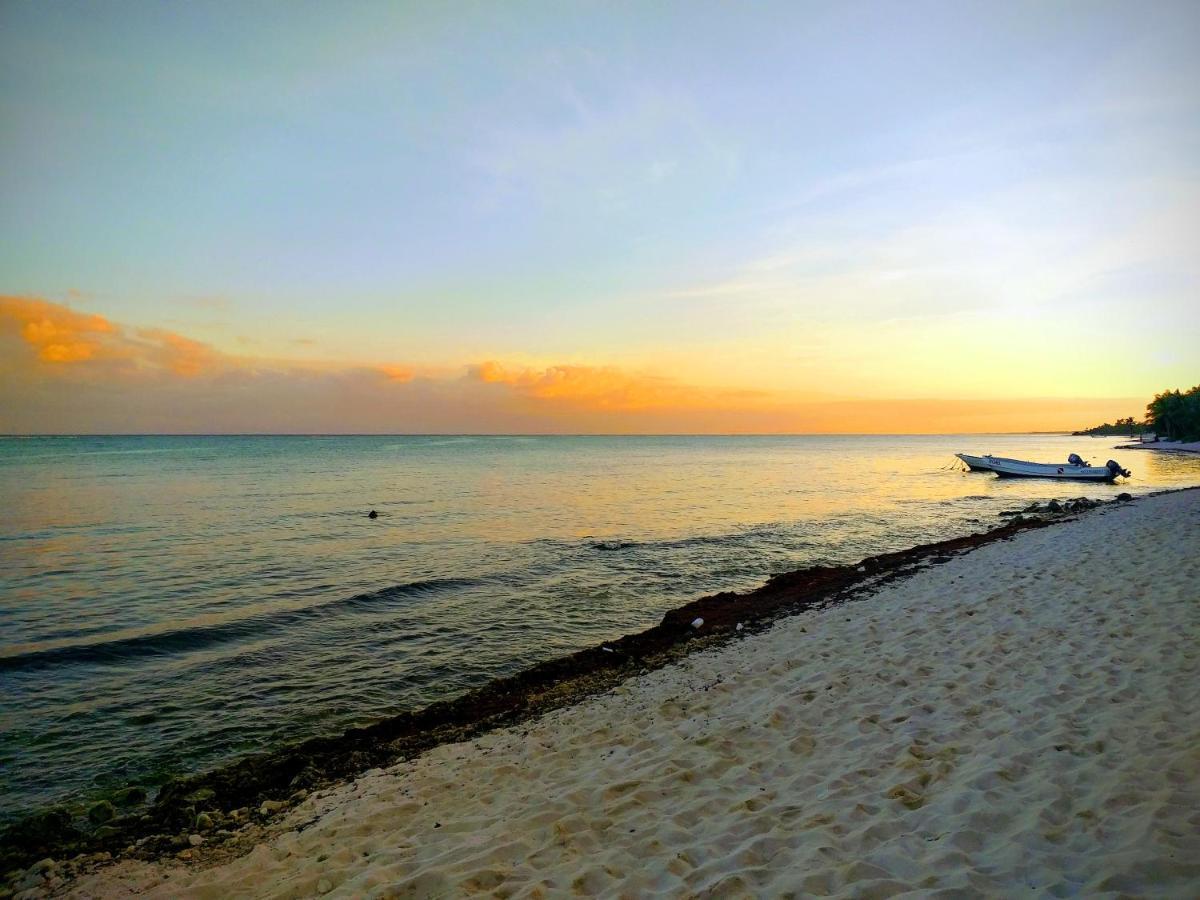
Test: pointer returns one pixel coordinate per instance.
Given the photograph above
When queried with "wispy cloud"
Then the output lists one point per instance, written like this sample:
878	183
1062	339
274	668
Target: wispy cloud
209	302
588	133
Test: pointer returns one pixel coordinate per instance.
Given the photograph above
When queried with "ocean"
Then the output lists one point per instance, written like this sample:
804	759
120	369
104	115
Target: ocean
171	603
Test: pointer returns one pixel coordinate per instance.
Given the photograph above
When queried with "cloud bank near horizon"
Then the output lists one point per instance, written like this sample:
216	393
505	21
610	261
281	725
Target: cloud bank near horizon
67	371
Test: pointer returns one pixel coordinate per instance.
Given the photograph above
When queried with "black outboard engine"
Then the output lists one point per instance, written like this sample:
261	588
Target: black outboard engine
1076	460
1115	467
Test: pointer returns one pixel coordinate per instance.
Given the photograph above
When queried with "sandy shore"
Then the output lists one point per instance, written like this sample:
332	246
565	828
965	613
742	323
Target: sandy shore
1024	718
1163	446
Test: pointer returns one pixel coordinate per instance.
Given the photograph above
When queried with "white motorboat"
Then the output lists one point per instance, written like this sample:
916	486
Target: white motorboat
1075	468
976	463
984	463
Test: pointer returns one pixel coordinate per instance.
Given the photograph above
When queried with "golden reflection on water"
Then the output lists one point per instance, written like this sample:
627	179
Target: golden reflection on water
209	594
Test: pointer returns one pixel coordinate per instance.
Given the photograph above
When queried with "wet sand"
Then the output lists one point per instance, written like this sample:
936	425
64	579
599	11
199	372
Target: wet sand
1024	717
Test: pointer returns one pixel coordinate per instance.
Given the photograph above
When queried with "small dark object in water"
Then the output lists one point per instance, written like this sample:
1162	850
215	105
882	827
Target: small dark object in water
1124	496
372	515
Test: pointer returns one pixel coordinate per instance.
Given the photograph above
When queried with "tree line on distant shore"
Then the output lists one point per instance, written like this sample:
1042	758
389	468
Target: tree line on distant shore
1172	414
1122	427
1176	414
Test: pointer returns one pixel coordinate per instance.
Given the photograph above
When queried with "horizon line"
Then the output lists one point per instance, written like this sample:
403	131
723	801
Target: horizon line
91	434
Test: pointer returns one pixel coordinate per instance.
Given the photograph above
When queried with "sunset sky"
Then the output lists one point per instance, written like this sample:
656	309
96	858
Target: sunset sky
596	217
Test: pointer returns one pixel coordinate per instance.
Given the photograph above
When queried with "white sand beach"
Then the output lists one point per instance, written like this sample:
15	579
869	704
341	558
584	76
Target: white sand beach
1164	446
1024	719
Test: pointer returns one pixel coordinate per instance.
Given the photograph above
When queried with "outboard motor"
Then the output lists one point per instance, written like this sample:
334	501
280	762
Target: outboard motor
1115	467
1076	460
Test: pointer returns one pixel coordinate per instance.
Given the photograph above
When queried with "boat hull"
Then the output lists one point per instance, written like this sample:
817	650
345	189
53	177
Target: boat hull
976	463
1013	469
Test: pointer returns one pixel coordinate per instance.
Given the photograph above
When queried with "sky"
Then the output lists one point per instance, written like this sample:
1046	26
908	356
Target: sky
596	217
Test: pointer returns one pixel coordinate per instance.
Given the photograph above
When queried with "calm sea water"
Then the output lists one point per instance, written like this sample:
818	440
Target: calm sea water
169	603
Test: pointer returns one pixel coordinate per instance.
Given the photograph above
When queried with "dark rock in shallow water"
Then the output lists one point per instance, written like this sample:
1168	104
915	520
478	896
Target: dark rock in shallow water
1124	496
130	796
1054	506
307	777
101	812
372	515
45	829
201	795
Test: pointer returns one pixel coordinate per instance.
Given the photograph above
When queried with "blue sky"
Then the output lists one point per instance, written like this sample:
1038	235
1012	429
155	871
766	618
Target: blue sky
734	194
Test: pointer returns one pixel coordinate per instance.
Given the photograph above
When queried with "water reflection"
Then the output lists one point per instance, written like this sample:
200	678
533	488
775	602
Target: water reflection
169	602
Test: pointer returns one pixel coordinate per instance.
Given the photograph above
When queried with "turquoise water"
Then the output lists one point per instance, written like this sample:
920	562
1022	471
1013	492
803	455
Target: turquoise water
169	603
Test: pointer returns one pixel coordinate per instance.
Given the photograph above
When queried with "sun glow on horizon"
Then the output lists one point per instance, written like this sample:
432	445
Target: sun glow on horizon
69	372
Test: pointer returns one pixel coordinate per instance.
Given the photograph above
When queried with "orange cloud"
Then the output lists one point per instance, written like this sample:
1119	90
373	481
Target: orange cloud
177	354
88	347
396	373
607	388
57	333
63	340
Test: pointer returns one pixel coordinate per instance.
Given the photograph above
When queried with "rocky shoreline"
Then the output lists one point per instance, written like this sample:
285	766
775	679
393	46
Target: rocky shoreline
222	813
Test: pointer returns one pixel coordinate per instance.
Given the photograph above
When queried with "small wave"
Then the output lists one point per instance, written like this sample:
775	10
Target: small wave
960	501
733	539
612	545
445	442
184	639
